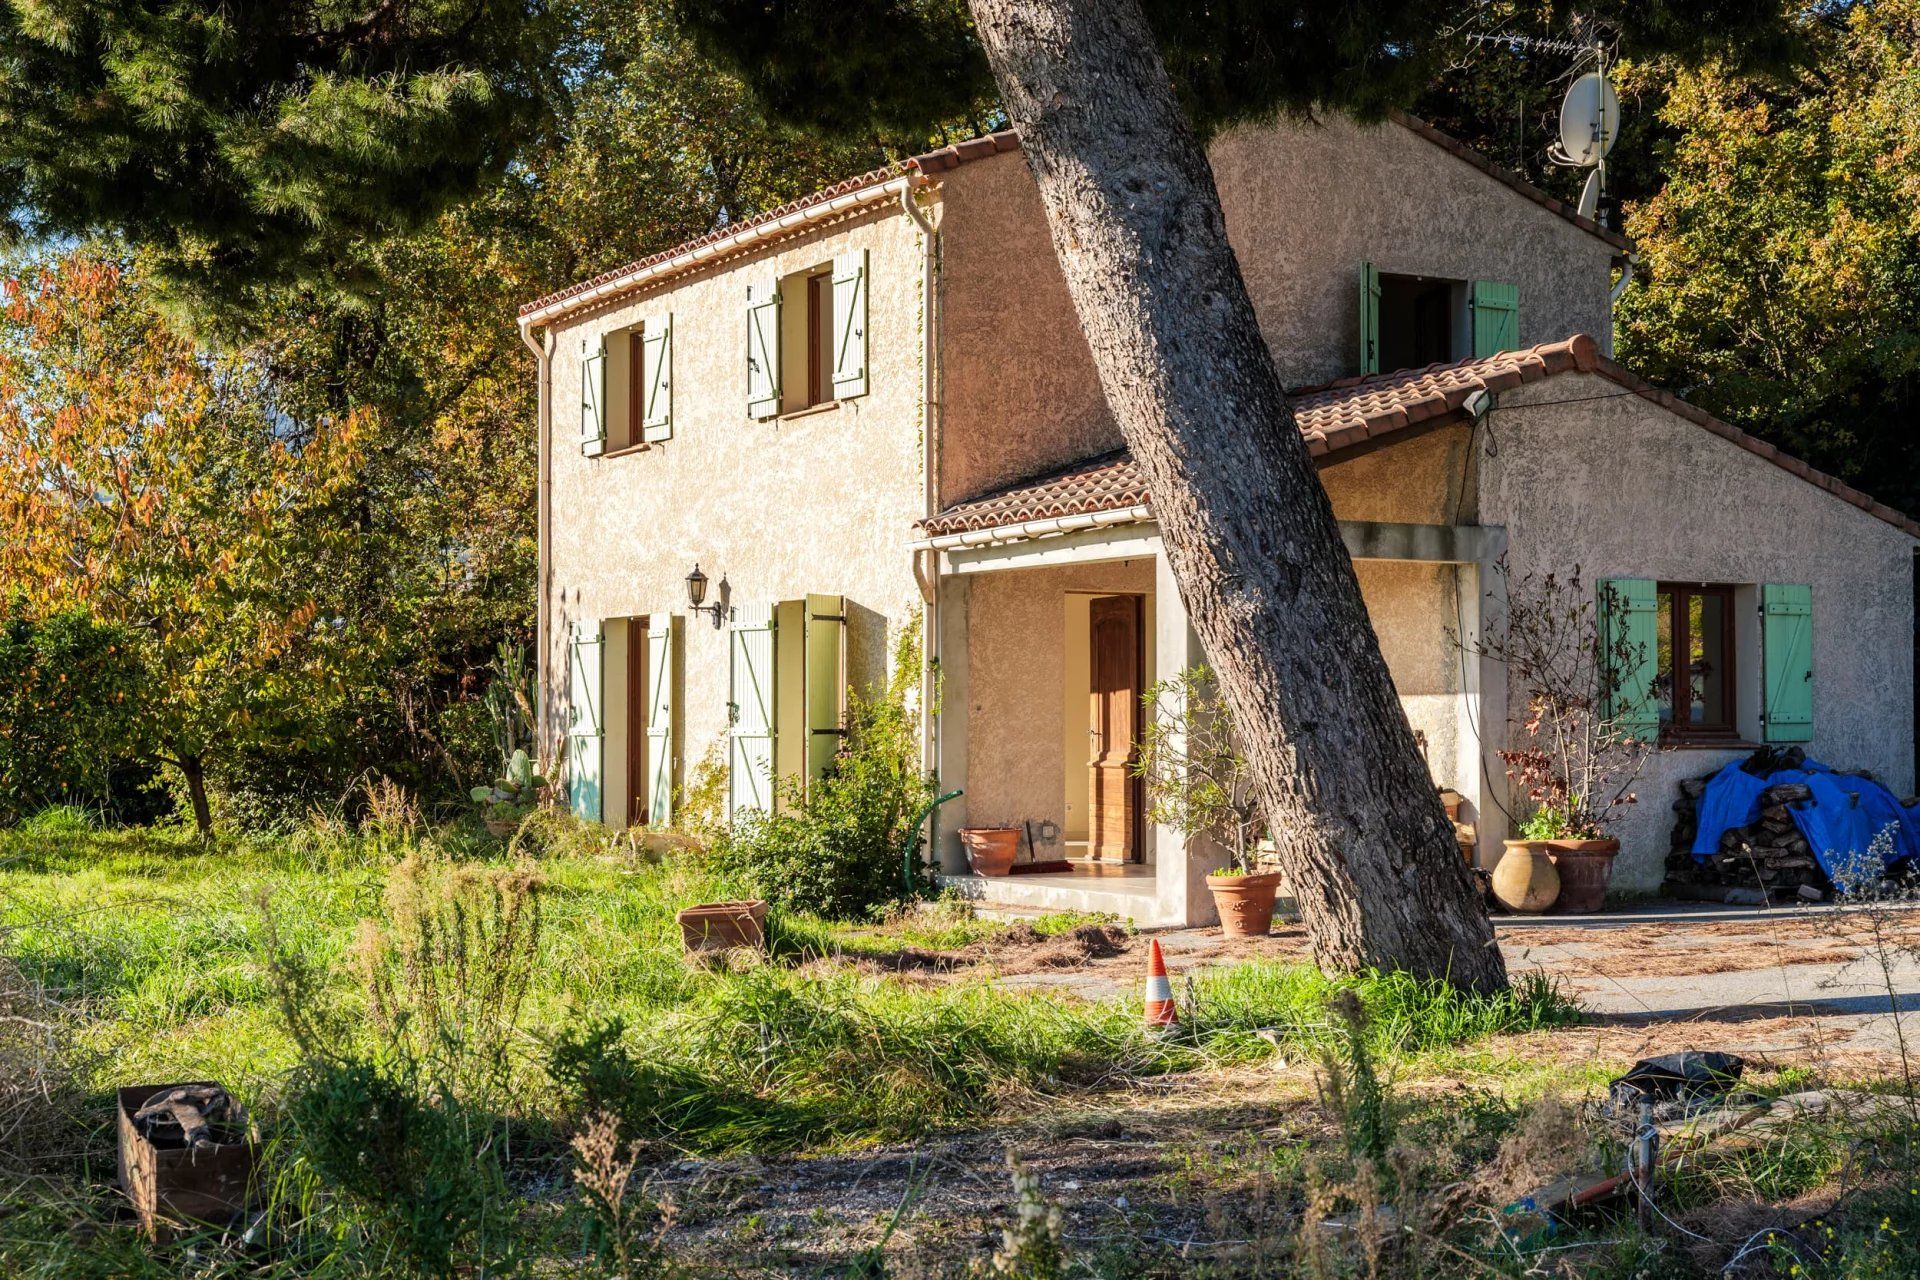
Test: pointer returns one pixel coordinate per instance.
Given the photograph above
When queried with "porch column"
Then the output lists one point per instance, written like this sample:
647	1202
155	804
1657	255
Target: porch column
1180	866
1488	703
950	724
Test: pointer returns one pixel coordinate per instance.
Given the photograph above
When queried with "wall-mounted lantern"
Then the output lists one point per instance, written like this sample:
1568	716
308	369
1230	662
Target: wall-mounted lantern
697	596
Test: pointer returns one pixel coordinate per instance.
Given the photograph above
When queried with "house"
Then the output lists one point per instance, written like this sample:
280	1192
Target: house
875	405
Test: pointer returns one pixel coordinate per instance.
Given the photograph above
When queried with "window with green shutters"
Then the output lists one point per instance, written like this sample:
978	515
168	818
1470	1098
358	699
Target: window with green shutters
750	710
849	325
1369	318
1786	642
763	348
593	396
1496	318
1629	658
586	730
662	668
655	380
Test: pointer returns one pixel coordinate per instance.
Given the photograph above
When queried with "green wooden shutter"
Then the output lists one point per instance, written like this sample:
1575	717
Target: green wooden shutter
663	652
1369	318
750	740
826	681
656	379
763	348
1786	640
850	325
1496	318
1630	656
586	730
593	397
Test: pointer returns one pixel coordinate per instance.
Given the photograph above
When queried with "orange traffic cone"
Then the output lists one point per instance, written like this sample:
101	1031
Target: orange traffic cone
1162	1018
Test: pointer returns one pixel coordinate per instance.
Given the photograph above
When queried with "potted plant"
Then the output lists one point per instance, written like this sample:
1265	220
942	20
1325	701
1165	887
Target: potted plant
1575	756
505	804
1197	783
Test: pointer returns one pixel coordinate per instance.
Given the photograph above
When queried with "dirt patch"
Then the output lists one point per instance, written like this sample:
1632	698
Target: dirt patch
1681	962
1020	948
1024	949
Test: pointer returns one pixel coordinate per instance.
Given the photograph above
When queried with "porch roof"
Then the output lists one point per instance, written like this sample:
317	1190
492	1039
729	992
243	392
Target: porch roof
1341	417
1334	418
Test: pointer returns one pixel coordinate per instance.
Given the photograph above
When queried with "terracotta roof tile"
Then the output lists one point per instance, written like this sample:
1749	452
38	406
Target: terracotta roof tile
992	144
1358	411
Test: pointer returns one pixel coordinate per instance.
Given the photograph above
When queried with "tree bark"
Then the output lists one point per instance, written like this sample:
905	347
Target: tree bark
194	770
1248	530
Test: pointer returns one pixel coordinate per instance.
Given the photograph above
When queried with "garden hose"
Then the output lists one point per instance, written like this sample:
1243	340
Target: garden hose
913	838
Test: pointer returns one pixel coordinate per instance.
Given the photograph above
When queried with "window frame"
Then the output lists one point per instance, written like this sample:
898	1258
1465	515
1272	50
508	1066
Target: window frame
1679	726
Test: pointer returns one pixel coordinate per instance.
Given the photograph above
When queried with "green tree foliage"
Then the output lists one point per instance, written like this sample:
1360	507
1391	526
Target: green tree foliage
1781	257
68	707
162	491
850	66
262	142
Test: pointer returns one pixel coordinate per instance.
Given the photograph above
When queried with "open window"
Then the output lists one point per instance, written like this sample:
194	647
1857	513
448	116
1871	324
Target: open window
627	388
807	337
1410	321
787	676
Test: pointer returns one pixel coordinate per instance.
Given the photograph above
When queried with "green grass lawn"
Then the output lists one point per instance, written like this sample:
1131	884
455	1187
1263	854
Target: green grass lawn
172	960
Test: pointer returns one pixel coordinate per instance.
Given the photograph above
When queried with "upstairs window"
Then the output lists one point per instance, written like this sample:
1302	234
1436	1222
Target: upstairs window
1409	321
807	337
626	387
1420	318
1694	680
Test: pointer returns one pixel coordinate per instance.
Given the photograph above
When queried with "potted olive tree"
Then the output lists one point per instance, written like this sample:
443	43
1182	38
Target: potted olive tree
1197	783
1573	756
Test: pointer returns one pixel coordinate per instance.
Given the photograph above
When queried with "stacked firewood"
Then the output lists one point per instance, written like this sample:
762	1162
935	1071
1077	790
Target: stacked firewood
1769	854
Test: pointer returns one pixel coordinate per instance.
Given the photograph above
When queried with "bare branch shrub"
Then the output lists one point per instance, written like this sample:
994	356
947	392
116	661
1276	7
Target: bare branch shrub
1579	758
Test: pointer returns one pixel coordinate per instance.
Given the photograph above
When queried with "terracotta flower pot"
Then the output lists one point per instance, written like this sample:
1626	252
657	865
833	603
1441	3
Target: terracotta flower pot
501	828
721	926
991	850
1525	879
1585	867
1245	903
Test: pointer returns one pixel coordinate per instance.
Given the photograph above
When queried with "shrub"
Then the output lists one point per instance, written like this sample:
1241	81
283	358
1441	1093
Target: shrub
68	687
416	1164
834	847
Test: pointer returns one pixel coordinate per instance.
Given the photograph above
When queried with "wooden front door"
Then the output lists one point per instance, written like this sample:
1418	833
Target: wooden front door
1114	824
638	708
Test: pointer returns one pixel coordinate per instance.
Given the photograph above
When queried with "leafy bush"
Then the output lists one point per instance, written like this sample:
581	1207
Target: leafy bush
68	691
416	1164
834	847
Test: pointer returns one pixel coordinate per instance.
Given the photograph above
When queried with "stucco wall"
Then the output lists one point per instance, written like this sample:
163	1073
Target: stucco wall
1018	389
1412	606
1426	479
1305	205
1623	488
823	502
1016	674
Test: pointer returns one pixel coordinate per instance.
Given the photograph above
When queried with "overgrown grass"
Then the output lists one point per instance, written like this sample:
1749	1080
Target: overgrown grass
161	946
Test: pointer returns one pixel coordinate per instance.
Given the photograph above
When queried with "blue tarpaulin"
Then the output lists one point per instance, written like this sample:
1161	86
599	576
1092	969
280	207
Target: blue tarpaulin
1839	820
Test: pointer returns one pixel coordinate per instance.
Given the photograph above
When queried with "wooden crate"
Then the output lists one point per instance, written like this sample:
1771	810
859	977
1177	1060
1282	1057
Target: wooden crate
175	1189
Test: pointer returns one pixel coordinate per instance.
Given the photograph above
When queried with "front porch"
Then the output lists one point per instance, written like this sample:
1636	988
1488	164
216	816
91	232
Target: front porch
1026	681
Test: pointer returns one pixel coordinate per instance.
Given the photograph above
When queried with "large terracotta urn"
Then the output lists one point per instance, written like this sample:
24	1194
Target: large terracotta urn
1245	902
1585	867
1525	879
990	850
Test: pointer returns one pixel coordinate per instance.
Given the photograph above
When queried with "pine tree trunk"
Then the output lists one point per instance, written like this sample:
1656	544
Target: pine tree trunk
1249	532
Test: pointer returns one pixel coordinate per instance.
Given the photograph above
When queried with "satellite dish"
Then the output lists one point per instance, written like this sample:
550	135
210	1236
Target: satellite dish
1589	120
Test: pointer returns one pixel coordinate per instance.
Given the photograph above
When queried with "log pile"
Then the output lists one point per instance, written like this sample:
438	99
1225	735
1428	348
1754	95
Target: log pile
1766	861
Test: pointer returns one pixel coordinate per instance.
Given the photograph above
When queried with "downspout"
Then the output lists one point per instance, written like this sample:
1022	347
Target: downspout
543	401
927	565
1626	278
